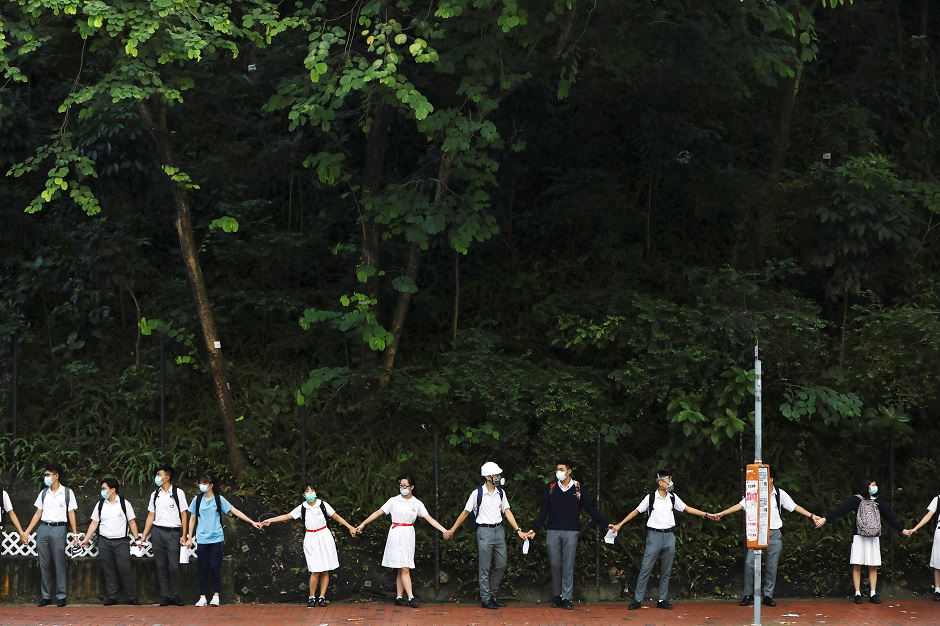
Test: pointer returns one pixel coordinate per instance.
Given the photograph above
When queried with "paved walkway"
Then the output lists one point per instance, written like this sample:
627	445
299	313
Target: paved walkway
787	613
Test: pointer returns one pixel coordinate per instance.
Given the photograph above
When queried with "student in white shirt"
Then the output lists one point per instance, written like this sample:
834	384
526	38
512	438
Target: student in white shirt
168	519
7	508
319	545
400	545
779	500
660	539
111	517
488	504
931	517
55	511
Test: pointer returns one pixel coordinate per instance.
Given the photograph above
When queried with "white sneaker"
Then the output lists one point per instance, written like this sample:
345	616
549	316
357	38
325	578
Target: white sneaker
202	601
214	601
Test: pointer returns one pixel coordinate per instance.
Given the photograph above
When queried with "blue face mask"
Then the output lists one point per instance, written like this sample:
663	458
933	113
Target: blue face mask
104	494
310	497
157	481
48	481
203	488
873	490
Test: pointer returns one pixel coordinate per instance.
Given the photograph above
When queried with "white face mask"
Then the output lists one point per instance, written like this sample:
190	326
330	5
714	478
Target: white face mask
560	474
157	480
404	492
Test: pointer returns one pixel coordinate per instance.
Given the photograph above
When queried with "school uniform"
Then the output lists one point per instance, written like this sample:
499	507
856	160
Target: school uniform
491	538
400	544
114	554
51	537
319	545
779	499
210	541
561	506
7	507
165	538
865	550
660	542
935	551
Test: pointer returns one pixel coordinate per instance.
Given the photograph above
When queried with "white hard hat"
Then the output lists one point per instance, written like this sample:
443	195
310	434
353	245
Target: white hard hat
490	469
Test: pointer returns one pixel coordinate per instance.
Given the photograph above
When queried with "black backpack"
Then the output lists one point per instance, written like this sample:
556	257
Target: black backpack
652	498
476	509
127	522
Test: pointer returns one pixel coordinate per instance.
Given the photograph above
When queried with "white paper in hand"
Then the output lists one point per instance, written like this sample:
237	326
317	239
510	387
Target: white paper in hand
610	536
525	547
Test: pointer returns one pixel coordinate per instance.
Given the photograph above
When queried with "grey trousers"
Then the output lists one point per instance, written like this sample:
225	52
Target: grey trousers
562	546
50	542
660	546
492	545
114	557
770	558
166	556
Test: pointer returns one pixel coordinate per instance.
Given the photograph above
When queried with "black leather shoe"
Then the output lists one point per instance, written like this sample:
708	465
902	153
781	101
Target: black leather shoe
60	603
413	603
312	602
747	601
664	604
858	598
768	601
556	602
936	596
133	601
164	602
110	602
489	604
178	601
498	601
566	604
634	605
43	602
399	601
321	601
875	599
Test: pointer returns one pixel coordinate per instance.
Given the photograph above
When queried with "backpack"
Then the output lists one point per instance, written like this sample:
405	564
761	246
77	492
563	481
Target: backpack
476	509
173	488
68	493
218	506
577	486
127	522
652	498
303	515
868	518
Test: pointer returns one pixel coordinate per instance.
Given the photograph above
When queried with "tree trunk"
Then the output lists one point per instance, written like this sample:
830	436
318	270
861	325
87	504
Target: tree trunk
376	149
154	117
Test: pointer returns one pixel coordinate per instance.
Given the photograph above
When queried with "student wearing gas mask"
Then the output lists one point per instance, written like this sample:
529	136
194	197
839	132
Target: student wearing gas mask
486	507
562	503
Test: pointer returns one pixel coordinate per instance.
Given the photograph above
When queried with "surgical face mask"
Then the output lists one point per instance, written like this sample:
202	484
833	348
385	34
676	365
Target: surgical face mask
47	481
310	497
496	480
104	494
203	488
873	490
158	481
670	485
405	491
560	474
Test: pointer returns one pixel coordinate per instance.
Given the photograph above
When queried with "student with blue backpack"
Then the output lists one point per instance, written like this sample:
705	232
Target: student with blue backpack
866	542
205	525
486	507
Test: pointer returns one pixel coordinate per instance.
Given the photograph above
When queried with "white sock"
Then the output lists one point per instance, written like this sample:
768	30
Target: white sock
873	592
936	589
858	593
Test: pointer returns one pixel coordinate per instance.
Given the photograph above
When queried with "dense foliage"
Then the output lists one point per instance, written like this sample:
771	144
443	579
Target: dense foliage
517	225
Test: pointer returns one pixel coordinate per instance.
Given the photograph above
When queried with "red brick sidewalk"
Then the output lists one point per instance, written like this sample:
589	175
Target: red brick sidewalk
795	612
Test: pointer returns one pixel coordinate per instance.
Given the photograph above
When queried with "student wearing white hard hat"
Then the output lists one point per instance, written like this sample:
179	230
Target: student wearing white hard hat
488	504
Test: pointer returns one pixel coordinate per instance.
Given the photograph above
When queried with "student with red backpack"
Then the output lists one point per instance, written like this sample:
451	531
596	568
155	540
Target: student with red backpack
205	525
933	518
866	544
319	545
562	503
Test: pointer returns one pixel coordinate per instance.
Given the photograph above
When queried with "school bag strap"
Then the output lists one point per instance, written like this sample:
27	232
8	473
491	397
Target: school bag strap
303	515
218	506
176	499
68	493
127	522
652	498
577	486
476	509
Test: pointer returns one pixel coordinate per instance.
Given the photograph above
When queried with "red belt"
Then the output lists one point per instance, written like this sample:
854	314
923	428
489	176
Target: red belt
397	524
316	530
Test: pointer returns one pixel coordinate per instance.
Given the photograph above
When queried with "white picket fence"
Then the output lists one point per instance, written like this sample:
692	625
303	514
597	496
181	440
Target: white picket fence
12	546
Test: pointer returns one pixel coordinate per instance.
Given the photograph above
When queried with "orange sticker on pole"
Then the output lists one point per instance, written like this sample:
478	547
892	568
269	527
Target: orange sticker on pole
757	505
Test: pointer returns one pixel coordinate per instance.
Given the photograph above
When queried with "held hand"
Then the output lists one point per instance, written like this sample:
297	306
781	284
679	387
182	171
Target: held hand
24	537
907	532
352	531
258	525
85	542
448	534
820	522
360	527
614	527
530	534
189	543
78	541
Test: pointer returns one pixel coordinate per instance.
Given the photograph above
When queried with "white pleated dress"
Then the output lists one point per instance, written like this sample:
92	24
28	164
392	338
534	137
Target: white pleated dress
319	545
400	545
935	552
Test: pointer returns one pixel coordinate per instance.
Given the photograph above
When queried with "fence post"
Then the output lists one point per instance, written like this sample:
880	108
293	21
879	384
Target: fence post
437	515
163	394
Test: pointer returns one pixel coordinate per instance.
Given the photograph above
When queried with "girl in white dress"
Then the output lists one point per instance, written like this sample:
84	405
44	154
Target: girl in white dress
319	546
400	545
932	518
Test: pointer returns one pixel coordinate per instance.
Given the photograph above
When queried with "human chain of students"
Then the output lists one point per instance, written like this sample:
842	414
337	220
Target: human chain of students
174	525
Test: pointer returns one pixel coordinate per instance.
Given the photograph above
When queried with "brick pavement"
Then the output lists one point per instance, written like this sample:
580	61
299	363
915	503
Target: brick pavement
917	611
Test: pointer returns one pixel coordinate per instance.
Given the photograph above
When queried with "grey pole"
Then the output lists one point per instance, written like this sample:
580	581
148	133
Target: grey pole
163	394
437	515
16	377
597	501
758	434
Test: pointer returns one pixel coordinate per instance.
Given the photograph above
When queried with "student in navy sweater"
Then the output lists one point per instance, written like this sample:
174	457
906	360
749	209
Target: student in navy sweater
561	505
